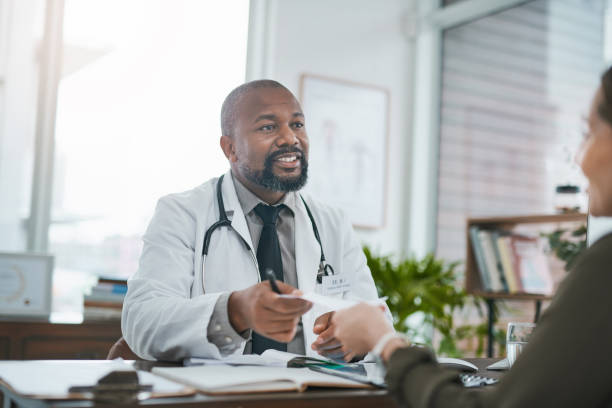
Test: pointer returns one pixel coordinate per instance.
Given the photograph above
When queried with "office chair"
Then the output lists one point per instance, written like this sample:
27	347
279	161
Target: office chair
121	349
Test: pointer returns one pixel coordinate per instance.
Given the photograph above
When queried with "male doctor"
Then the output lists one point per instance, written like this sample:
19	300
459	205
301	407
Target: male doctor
193	296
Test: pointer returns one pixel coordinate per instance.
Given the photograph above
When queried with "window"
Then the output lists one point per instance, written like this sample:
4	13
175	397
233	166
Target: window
515	88
137	118
21	28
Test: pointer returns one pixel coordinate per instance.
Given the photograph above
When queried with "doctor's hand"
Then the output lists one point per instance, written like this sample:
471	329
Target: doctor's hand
360	327
259	308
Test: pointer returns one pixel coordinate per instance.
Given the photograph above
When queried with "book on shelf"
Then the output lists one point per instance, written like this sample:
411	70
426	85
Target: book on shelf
532	264
504	249
510	263
112	280
498	282
105	297
109	288
481	265
105	300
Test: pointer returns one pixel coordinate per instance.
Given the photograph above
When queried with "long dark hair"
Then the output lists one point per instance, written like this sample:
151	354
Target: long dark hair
605	107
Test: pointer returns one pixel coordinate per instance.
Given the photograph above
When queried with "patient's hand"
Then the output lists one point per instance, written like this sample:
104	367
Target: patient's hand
359	328
326	344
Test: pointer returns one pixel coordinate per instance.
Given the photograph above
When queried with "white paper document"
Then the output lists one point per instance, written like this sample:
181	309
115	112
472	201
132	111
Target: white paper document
53	378
334	303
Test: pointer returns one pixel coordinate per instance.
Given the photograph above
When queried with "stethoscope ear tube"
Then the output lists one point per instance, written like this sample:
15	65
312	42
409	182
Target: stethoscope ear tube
318	237
223	220
208	235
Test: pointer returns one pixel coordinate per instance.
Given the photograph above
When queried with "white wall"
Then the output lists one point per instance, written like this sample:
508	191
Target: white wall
356	40
598	227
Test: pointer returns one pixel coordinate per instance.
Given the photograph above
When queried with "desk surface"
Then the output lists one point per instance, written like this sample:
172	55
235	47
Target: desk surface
313	397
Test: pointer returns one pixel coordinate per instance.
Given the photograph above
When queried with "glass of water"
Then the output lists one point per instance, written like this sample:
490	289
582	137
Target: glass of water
516	338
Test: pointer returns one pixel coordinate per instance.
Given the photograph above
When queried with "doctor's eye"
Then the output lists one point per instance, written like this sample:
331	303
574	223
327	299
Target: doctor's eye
298	125
267	128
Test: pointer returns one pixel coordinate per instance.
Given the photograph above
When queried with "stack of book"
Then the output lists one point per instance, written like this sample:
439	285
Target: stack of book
510	263
105	300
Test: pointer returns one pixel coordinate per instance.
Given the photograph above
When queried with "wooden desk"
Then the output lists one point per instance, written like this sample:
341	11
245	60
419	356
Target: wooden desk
53	341
314	397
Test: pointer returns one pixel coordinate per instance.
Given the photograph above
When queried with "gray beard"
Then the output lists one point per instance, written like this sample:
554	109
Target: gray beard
268	180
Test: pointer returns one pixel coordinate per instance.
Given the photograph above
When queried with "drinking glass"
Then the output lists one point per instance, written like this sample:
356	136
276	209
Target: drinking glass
516	338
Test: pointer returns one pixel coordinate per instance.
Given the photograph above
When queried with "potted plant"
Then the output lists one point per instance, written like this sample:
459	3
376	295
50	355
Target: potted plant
567	244
429	286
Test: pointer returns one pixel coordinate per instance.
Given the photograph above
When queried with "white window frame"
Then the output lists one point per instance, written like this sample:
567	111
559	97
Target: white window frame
50	56
420	227
262	29
4	39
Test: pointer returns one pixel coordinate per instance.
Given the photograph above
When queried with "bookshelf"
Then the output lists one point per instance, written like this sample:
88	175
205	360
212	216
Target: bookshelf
473	281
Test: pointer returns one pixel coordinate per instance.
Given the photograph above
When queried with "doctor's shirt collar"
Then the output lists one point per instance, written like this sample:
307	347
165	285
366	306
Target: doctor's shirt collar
248	200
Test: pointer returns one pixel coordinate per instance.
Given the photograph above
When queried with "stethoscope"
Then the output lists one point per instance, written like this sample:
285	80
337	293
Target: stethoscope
325	269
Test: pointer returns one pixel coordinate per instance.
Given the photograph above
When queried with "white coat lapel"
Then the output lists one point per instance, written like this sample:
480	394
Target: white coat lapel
307	251
233	208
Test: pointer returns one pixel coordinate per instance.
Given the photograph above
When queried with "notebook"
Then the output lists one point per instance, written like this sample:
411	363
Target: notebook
226	379
52	379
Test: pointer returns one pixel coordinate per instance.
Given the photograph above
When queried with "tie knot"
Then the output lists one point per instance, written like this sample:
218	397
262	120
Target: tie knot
268	213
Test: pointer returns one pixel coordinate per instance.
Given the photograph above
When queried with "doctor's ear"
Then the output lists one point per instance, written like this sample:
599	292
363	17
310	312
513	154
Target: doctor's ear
227	145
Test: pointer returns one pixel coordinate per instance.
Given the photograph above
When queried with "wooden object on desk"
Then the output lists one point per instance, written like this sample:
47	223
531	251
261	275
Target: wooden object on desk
473	283
45	340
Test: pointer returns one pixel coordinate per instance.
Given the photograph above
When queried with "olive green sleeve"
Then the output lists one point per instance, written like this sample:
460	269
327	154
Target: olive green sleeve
415	379
567	362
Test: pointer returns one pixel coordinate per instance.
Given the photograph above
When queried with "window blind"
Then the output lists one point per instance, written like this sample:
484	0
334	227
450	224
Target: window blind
515	88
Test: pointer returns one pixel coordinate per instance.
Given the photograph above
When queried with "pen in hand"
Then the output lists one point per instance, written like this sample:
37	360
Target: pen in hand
272	280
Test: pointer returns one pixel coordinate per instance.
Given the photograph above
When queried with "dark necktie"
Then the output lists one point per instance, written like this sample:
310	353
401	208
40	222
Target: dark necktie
268	257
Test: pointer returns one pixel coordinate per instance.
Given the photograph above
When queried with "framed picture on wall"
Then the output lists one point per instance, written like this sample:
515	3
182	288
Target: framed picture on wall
348	126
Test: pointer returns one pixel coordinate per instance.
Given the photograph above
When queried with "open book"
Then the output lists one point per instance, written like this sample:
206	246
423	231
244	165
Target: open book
226	379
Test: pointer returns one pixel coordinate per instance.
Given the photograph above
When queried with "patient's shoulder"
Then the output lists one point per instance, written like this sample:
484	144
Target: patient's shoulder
597	258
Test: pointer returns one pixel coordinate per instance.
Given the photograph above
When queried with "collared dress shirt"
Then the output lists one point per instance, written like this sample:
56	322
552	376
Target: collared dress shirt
220	331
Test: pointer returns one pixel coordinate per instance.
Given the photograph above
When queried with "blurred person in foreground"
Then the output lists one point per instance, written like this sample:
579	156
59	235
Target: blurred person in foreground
567	362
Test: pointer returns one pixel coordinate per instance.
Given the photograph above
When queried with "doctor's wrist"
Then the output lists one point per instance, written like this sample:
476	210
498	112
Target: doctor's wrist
235	310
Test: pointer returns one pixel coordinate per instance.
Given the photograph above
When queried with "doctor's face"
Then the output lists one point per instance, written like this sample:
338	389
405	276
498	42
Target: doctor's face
270	145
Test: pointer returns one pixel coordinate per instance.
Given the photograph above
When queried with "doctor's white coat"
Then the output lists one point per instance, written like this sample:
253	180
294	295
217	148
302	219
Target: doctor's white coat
171	298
